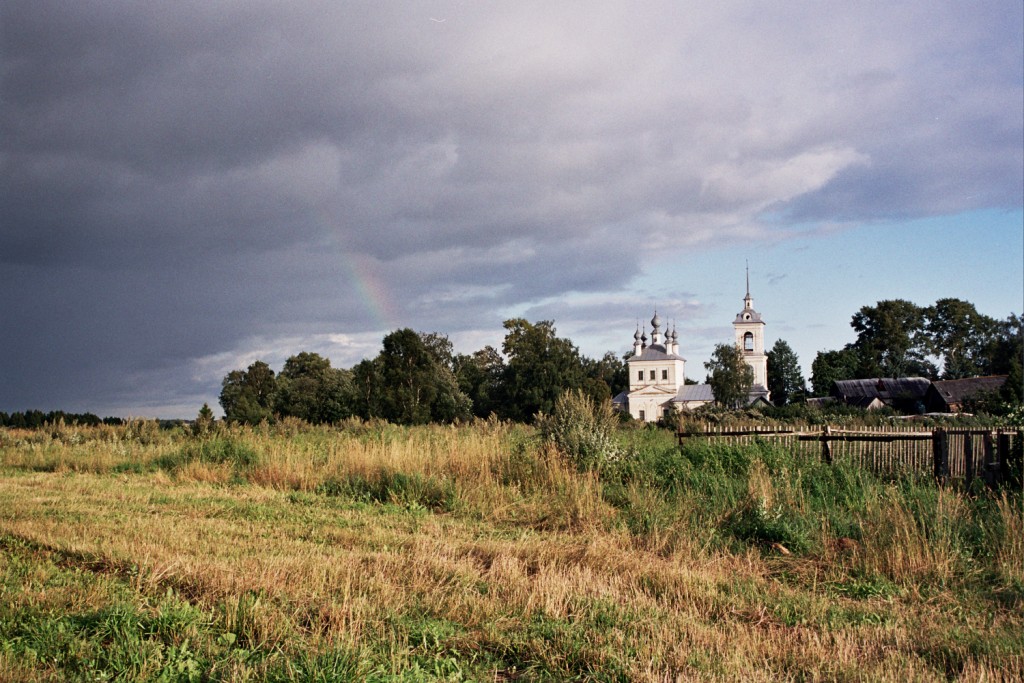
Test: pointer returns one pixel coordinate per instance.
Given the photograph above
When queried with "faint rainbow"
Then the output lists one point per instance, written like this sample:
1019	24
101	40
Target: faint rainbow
368	287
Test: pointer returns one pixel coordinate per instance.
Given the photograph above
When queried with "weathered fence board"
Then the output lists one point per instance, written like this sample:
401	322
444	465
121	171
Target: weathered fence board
946	454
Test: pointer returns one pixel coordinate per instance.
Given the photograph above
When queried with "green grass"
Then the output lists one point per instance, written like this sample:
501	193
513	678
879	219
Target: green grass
295	553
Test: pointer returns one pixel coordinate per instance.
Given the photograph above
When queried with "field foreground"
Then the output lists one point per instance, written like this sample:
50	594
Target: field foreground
478	553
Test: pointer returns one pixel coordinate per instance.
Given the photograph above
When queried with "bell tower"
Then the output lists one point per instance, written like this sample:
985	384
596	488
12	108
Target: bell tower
749	330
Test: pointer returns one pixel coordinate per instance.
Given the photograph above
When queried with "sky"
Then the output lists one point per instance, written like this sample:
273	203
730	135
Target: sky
188	187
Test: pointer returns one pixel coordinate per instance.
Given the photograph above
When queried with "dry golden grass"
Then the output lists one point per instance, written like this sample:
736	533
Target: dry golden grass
527	566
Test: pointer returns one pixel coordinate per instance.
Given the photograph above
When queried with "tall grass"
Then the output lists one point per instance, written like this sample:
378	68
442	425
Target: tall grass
483	552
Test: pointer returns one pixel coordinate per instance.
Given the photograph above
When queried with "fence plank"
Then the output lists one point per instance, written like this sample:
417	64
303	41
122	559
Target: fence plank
968	460
944	453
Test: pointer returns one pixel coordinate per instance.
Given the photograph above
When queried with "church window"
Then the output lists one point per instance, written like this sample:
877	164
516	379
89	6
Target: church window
664	375
652	375
641	414
640	376
748	342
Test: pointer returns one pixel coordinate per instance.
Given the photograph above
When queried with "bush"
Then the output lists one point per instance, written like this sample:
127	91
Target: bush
582	430
759	520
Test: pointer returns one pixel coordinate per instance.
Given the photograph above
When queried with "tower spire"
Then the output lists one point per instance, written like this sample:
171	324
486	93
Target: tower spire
748	302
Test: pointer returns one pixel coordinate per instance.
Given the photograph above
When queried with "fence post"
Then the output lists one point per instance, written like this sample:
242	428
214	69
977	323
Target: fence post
940	454
1003	450
986	469
1016	461
826	449
968	460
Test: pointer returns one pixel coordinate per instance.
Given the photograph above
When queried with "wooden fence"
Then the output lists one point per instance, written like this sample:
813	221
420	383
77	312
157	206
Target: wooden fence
963	454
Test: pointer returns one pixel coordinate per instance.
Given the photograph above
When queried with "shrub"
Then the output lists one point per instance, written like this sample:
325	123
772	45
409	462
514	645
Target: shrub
146	432
582	430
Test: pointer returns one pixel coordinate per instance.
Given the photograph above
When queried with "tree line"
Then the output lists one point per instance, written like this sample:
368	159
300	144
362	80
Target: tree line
33	419
897	338
418	378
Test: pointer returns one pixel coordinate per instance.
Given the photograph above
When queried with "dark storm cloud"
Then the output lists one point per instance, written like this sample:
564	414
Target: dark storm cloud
183	184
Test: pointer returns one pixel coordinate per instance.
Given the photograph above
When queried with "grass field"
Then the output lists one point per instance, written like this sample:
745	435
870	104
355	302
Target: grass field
376	552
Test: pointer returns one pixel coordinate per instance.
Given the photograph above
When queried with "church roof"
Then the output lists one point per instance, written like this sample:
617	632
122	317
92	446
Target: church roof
695	392
755	317
655	352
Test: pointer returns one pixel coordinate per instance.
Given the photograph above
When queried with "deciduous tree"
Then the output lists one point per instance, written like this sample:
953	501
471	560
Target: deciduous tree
479	376
413	386
248	396
605	377
891	340
310	389
959	335
541	366
729	375
831	366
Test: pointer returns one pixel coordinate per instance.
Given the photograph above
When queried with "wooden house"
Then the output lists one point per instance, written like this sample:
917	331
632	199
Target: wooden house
948	396
905	394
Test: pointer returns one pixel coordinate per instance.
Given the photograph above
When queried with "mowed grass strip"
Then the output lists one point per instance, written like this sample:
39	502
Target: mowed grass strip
210	570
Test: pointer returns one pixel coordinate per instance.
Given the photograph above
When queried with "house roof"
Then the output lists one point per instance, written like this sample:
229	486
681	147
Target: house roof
621	398
956	390
866	402
884	388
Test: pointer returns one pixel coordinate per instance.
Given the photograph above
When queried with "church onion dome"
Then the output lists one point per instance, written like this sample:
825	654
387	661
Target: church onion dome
656	321
636	335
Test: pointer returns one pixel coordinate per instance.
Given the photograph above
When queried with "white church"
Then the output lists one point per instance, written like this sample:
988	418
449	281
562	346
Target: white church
657	373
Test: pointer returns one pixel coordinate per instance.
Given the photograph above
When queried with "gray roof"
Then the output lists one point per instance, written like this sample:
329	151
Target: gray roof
755	317
655	352
695	392
864	402
621	398
885	388
956	390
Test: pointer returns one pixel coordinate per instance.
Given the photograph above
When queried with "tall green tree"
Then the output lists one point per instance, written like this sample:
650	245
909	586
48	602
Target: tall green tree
831	366
1005	356
891	340
959	335
410	384
604	377
248	396
479	376
785	380
540	367
366	394
441	347
729	375
310	389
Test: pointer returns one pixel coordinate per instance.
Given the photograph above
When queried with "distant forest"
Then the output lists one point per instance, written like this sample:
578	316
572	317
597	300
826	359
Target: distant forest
32	419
